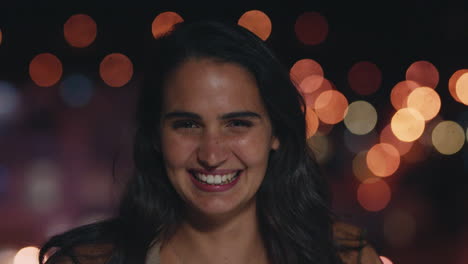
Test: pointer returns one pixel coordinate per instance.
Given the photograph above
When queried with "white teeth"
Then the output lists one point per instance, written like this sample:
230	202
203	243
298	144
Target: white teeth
215	179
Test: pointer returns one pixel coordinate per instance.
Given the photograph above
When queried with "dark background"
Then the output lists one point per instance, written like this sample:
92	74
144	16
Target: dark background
90	146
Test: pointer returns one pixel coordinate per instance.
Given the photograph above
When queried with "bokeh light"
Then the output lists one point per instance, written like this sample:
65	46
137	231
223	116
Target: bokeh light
116	70
311	98
387	136
407	124
364	78
257	22
312	122
461	88
76	90
311	28
8	101
373	195
164	22
311	84
383	159
321	146
448	137
361	171
27	255
331	106
80	30
45	69
304	68
426	101
7	255
361	117
453	82
399	228
424	73
1	36
385	260
400	93
42	186
357	143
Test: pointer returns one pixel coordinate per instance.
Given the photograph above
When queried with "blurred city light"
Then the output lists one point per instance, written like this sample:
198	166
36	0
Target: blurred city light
76	90
116	70
311	28
373	195
331	106
80	30
45	69
304	68
257	22
453	82
361	117
27	255
400	93
424	73
448	137
426	101
364	78
387	136
164	23
461	88
312	122
383	159
9	101
407	124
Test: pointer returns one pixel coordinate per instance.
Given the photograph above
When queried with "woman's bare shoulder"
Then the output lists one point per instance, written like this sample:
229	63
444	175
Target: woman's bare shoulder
85	254
353	246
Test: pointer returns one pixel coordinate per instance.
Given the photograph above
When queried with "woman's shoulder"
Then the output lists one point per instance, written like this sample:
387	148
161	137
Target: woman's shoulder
353	246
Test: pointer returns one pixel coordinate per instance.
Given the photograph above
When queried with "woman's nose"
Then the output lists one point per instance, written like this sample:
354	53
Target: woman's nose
212	151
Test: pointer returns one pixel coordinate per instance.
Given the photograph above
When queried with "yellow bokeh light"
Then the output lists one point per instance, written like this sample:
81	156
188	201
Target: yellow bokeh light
407	124
385	260
321	147
80	30
164	22
360	169
383	159
361	118
448	137
27	255
461	88
424	73
387	136
304	68
426	101
374	195
453	81
331	106
257	22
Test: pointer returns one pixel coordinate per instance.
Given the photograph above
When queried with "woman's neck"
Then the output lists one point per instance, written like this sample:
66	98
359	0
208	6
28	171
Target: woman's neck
217	240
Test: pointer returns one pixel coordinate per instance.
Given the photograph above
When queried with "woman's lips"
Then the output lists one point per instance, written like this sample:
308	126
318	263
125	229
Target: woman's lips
215	180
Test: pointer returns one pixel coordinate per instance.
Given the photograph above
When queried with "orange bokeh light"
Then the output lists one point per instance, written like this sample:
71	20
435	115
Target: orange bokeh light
311	83
426	101
80	30
407	124
312	122
400	93
1	36
311	28
304	68
424	73
116	70
311	98
387	136
374	195
461	88
383	159
331	106
164	22
364	78
45	69
453	82
257	22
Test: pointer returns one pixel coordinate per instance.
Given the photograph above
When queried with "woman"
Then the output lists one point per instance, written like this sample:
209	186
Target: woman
223	173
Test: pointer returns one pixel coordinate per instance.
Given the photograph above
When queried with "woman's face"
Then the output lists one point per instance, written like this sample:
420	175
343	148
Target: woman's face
215	135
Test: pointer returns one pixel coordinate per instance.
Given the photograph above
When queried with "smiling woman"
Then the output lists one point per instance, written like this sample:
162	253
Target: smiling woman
223	173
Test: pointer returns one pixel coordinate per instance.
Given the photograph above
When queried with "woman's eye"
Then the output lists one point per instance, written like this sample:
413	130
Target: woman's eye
240	123
184	124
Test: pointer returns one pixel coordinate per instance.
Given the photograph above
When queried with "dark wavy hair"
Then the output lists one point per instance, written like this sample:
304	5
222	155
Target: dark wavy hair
292	201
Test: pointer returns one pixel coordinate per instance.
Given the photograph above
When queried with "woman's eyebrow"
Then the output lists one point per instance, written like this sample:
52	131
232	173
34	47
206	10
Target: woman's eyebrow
241	114
181	114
